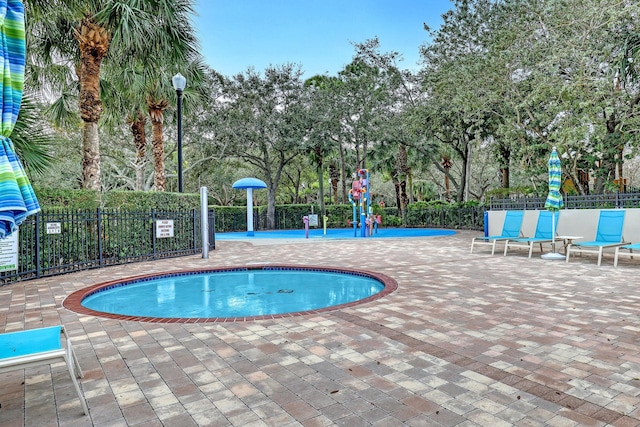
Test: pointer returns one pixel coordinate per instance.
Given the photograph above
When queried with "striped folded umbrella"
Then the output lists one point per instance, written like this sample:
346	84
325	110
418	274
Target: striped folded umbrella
17	199
554	200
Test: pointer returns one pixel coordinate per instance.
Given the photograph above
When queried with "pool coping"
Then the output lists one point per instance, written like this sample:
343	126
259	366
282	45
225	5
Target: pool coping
73	302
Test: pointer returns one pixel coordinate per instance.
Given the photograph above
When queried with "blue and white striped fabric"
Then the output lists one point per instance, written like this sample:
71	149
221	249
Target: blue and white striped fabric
17	198
554	200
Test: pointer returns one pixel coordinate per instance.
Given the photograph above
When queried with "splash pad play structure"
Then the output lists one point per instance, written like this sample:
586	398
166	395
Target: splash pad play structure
363	223
360	199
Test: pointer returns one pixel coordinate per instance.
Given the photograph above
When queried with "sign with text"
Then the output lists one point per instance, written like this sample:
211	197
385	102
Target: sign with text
313	220
54	228
9	252
164	228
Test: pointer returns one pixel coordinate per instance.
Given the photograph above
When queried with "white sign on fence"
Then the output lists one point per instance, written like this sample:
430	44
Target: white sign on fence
313	220
54	228
9	252
164	228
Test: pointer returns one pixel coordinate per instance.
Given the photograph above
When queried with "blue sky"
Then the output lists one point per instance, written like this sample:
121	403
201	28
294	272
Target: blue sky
236	34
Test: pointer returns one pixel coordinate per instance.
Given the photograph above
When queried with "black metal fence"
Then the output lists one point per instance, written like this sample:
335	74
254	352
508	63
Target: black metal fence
595	201
58	242
451	217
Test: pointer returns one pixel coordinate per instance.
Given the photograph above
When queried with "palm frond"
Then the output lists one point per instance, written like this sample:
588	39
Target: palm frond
31	140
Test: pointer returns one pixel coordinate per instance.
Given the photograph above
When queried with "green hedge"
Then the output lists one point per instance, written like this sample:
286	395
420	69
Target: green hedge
51	198
234	218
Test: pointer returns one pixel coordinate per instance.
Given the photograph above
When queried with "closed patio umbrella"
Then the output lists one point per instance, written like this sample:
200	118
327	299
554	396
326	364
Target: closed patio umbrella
17	199
554	200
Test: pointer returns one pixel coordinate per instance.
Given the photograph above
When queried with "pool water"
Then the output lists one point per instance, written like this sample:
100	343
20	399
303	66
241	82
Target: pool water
225	294
336	233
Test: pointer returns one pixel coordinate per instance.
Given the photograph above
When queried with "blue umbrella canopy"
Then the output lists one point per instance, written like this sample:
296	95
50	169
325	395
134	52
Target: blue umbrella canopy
17	199
554	200
249	183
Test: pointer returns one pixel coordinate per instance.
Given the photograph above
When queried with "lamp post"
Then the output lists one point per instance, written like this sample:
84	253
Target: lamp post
179	83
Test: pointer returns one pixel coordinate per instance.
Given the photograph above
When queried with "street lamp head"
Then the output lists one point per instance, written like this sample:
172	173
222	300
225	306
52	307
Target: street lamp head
179	82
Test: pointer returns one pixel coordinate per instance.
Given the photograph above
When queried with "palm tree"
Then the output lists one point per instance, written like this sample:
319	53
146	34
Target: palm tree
142	88
157	100
126	96
83	33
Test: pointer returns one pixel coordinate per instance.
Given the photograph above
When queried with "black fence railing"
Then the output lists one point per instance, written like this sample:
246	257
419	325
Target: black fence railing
595	201
449	217
58	242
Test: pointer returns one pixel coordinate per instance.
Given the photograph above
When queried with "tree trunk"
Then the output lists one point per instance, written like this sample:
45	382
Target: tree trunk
403	172
396	186
464	156
343	170
467	174
410	191
446	165
160	180
334	174
364	155
91	157
323	210
140	140
271	207
505	155
94	44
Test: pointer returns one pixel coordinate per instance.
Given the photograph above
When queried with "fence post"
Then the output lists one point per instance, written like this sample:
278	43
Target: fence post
212	229
99	225
194	219
37	256
153	232
204	221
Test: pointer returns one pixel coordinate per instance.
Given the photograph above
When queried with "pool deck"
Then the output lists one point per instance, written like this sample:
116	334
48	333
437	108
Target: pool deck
466	340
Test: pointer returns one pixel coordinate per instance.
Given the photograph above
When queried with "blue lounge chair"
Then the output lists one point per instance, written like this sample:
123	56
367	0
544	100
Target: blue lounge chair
608	235
543	233
510	230
630	254
35	347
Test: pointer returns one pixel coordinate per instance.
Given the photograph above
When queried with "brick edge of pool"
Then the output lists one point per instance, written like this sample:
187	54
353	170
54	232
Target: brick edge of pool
74	301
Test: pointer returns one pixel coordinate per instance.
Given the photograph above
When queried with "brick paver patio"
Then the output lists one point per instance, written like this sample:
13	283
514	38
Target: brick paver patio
466	340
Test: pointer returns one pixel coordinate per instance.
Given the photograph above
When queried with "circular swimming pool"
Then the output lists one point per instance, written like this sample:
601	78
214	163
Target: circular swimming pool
230	294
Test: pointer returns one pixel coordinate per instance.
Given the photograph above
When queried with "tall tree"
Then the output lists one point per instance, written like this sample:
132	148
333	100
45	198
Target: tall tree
85	32
264	123
457	85
322	127
398	121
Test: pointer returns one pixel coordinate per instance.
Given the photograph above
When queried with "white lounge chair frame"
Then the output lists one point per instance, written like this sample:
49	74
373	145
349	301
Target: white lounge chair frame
598	246
493	240
530	242
630	254
39	358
